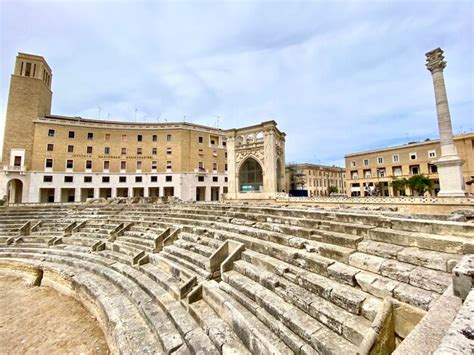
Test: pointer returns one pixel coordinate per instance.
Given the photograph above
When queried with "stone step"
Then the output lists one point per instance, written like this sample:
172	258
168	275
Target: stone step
188	266
165	280
255	335
187	255
194	247
223	337
200	239
140	242
126	248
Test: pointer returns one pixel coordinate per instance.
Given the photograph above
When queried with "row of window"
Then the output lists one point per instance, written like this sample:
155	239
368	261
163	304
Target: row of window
396	158
108	151
124	137
29	69
396	171
123	179
49	164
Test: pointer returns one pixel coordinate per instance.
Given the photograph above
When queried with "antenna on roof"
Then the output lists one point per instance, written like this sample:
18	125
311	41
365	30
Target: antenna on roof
100	109
217	121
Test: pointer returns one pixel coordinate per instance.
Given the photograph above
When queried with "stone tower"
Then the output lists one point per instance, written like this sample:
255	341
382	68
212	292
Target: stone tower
256	161
29	97
449	164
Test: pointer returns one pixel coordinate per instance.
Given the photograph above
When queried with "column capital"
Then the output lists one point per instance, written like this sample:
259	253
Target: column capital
435	60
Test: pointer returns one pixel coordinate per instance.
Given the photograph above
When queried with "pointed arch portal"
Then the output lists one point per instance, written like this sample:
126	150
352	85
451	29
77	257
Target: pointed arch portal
250	176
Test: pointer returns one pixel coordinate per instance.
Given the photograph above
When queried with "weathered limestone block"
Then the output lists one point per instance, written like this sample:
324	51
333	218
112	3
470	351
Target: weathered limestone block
427	258
376	285
430	280
406	318
413	295
385	250
370	307
463	277
343	273
366	262
348	298
397	270
316	284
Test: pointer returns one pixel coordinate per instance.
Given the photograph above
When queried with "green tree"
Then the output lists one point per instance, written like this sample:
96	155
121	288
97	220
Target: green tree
332	189
398	184
420	184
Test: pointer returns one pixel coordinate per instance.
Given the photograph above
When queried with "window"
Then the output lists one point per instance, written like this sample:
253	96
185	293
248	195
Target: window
107	150
50	147
89	164
70	149
381	172
215	179
200	178
72	134
69	164
122	179
200	139
226	179
154	151
48	163
433	168
107	137
51	133
168	165
68	178
154	138
139	151
47	178
367	174
201	152
353	163
28	69
154	165
415	169
224	143
225	155
123	165
168	178
138	179
432	153
106	179
201	165
168	151
154	178
168	137
379	160
225	166
412	156
214	166
139	138
395	158
88	179
106	165
89	150
397	171
90	136
124	137
366	162
213	142
354	175
124	151
139	165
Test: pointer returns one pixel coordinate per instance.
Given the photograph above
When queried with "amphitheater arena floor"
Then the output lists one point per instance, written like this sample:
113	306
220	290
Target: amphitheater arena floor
39	320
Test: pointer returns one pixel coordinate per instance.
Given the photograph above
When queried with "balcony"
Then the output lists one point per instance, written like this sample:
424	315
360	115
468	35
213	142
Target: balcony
14	169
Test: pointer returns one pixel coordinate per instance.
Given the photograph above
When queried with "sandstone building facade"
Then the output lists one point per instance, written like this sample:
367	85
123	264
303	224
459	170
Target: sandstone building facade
315	178
371	172
51	158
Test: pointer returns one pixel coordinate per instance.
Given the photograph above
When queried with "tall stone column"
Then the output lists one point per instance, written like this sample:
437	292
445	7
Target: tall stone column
449	164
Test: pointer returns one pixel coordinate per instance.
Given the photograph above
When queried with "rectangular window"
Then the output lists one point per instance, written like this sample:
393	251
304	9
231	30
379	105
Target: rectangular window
366	162
47	178
89	150
168	137
107	150
154	138
367	174
168	151
415	169
353	163
89	164
154	151
106	165
200	178
51	133
139	151
379	160
138	179
431	153
168	165
107	137
397	171
106	179
124	151
214	166
68	179
72	134
90	136
200	139
168	178
122	179
50	147
154	165
48	163
200	152
88	179
123	165
226	179
69	164
139	165
139	138
70	149
154	178
395	158
354	175
28	69
433	168
215	179
225	167
124	137
412	156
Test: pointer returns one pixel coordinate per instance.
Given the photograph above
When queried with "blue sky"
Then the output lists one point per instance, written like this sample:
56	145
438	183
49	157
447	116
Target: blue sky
338	77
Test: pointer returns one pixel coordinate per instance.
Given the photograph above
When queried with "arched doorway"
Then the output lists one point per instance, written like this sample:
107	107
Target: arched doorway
15	191
250	176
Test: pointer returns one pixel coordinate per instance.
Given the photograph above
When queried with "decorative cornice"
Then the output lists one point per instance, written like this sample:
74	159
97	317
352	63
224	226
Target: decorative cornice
435	60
